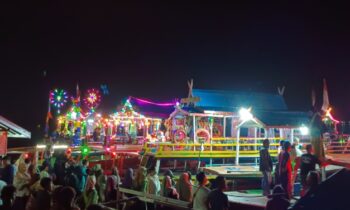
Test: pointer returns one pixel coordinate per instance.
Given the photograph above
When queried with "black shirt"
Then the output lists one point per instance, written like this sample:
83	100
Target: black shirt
217	200
308	163
265	160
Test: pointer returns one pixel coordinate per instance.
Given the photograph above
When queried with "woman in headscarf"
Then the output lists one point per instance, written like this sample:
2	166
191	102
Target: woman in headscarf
139	183
169	190
90	194
168	180
153	183
22	184
101	182
184	187
113	182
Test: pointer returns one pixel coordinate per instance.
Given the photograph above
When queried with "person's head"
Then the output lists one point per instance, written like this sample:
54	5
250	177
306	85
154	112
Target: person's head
66	197
287	146
169	173
202	178
46	183
282	143
312	179
22	168
115	171
266	143
85	162
56	193
220	183
309	149
151	171
278	192
8	195
94	207
7	160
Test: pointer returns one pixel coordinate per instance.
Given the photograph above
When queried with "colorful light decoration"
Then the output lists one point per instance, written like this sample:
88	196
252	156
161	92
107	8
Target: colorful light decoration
92	98
151	102
330	116
58	98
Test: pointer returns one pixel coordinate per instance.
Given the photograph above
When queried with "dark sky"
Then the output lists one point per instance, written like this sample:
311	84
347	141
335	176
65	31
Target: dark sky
151	51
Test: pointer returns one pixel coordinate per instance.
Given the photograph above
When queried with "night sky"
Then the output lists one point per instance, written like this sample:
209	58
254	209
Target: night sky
150	51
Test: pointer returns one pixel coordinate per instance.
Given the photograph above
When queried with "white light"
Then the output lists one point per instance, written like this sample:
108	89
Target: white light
74	115
245	114
60	146
41	146
304	130
90	121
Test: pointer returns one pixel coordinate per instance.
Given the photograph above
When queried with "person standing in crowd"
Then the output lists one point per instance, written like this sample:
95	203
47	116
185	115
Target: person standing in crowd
128	179
279	152
184	187
308	163
8	195
266	167
8	173
153	183
285	169
65	199
55	197
71	179
44	170
217	200
101	183
22	183
278	199
295	155
82	174
168	184
2	185
113	182
43	196
201	192
140	179
90	194
312	182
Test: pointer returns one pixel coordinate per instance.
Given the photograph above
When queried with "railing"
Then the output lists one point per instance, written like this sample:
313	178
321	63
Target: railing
338	147
216	149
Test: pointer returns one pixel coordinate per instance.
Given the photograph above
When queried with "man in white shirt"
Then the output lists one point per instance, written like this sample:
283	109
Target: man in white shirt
200	192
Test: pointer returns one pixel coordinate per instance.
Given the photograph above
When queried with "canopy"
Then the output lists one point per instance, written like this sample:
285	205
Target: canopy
14	131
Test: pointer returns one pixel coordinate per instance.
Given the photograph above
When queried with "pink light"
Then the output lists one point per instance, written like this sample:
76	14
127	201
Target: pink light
328	114
153	103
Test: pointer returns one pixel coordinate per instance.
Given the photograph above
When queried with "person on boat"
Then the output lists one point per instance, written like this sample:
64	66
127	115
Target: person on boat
90	195
278	200
201	192
169	190
308	163
139	182
153	183
184	187
266	167
217	200
8	195
285	169
113	182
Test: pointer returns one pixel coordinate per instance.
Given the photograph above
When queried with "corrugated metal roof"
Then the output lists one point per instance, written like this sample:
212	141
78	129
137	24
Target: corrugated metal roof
14	131
283	118
225	100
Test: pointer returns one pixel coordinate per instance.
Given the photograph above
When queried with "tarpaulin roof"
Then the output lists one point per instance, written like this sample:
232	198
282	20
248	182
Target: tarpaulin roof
229	100
14	131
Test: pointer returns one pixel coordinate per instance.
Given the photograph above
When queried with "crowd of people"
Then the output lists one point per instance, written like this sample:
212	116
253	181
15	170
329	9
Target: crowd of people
58	183
286	173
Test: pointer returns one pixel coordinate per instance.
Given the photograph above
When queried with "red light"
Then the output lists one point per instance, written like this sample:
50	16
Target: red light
26	156
108	149
114	154
69	151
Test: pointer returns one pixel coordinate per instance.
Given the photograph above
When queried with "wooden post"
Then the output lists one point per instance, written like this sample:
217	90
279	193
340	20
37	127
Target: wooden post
237	146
